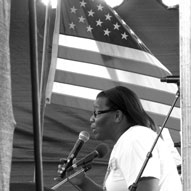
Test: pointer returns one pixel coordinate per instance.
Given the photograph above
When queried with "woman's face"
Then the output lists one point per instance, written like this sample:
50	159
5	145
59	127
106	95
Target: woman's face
102	123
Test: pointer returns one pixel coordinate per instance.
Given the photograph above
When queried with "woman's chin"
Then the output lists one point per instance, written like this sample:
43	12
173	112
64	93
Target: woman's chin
96	135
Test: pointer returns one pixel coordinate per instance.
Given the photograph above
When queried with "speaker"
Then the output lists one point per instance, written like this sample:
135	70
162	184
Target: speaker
25	187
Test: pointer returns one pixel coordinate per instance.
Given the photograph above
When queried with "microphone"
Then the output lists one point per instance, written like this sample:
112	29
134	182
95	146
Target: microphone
100	151
83	137
171	79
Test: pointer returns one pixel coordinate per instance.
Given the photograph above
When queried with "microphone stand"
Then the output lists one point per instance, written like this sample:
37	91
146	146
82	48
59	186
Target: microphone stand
149	154
83	169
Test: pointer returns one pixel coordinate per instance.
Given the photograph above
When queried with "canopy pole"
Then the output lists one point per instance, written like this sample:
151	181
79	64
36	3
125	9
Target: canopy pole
185	90
35	95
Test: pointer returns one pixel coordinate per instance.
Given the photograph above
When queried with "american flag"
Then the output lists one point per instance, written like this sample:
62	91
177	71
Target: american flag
94	49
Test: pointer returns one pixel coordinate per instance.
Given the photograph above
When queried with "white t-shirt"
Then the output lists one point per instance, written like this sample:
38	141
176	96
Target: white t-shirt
128	156
170	144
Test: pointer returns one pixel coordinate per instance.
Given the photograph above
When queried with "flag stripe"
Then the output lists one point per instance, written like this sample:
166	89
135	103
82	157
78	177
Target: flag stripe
116	51
114	75
103	83
109	61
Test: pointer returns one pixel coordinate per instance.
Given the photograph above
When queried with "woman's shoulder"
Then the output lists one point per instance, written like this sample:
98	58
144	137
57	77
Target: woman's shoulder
136	134
139	130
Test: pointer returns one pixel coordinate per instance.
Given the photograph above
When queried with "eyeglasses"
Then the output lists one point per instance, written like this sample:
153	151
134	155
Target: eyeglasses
96	113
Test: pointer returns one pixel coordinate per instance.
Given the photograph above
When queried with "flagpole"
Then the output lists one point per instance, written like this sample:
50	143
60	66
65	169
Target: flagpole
45	61
45	46
35	95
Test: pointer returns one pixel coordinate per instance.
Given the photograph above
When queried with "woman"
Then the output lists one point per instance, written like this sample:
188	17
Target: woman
119	116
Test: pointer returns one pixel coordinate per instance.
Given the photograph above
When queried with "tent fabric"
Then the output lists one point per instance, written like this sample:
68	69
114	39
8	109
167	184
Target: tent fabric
63	124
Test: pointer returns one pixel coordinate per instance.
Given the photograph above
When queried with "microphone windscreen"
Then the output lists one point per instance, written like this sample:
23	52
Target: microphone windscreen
102	150
84	136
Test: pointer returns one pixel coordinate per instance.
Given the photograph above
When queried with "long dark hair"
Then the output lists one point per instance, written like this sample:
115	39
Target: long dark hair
128	102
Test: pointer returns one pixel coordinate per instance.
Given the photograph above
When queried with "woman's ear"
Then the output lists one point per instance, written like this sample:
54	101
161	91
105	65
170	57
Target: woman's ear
119	116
